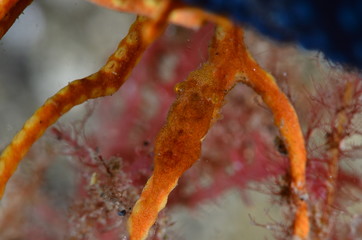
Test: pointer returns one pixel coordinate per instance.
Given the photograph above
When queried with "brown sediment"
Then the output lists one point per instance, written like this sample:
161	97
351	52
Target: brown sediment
102	83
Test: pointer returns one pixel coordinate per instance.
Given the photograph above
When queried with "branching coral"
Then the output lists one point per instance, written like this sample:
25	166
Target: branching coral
103	83
184	132
337	125
196	108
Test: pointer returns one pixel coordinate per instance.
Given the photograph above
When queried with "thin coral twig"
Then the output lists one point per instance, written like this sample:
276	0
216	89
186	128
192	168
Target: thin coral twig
9	12
334	152
286	120
250	73
102	83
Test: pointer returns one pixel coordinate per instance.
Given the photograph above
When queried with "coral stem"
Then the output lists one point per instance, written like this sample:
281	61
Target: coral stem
102	83
199	99
178	145
286	120
334	152
9	12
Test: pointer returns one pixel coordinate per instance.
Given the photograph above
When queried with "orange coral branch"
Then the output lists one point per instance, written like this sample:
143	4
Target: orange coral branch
286	120
178	145
103	83
199	99
245	69
9	11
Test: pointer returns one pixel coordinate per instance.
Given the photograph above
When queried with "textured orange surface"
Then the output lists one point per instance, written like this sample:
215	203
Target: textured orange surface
5	6
103	83
286	119
9	12
178	145
198	103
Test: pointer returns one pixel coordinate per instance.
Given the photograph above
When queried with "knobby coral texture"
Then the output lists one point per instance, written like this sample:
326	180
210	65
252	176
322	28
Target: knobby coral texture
180	108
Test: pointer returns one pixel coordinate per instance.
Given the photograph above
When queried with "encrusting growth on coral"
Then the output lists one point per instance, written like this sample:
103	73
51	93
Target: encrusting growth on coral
199	100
